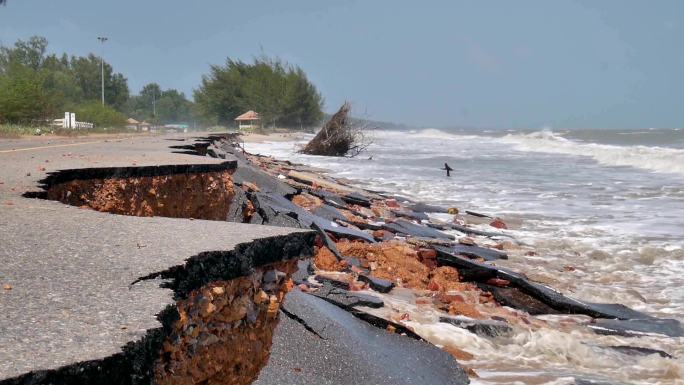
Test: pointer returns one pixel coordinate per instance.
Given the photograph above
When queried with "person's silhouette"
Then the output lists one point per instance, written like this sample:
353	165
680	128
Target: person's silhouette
448	169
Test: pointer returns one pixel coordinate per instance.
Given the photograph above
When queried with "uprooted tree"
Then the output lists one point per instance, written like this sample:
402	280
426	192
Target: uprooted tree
340	136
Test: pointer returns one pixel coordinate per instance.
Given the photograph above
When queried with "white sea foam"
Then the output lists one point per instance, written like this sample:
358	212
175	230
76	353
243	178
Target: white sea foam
659	159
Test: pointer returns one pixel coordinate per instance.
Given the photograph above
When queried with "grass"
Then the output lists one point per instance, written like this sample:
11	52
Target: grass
18	130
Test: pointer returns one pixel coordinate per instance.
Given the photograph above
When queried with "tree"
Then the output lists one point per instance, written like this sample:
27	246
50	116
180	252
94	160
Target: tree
280	92
302	103
36	86
171	106
151	91
87	72
29	53
22	96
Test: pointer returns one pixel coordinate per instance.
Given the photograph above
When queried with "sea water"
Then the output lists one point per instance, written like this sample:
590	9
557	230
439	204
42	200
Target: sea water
603	209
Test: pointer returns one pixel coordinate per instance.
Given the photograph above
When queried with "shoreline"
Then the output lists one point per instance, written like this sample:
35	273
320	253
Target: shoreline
596	315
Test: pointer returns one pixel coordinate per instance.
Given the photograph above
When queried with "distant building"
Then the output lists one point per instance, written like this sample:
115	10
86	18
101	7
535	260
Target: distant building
133	124
249	120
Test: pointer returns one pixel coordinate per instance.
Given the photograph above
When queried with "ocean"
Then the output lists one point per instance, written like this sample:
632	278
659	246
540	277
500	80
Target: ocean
603	209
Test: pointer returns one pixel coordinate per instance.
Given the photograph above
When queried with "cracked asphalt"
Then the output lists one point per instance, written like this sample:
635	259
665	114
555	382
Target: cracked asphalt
65	272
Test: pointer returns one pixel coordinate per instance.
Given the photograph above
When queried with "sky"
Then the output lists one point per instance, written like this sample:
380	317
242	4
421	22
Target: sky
453	63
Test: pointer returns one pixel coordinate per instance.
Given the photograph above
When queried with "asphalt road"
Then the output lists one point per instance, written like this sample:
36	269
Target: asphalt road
70	270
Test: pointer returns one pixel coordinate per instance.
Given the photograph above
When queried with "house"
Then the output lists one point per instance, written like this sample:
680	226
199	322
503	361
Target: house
132	124
248	120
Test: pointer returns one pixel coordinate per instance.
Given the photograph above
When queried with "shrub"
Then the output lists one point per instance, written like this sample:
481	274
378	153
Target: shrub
101	116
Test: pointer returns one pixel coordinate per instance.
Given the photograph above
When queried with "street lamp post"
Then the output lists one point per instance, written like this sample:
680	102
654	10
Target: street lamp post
102	40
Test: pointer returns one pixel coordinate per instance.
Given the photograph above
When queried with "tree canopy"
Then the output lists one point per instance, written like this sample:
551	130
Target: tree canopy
35	85
155	105
279	92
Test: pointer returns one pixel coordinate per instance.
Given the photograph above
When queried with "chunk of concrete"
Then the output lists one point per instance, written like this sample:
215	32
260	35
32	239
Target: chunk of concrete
405	227
277	210
346	299
377	284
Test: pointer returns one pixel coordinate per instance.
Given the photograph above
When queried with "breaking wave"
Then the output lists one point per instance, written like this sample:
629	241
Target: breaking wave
433	133
659	159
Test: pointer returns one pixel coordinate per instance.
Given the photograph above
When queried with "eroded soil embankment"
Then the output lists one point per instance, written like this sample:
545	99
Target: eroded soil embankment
224	331
206	195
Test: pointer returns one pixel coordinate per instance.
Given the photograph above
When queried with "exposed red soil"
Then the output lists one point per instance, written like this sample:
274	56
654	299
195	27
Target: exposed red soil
307	201
326	260
200	196
225	330
393	261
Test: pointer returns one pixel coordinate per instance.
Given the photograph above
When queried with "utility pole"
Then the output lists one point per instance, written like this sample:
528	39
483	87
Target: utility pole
102	40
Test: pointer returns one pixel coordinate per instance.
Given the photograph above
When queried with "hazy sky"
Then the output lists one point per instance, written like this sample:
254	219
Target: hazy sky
607	63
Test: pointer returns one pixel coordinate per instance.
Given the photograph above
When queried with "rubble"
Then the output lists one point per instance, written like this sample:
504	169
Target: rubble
498	223
370	243
392	261
241	313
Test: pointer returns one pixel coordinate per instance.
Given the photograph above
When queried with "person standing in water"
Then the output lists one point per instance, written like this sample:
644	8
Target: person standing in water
448	169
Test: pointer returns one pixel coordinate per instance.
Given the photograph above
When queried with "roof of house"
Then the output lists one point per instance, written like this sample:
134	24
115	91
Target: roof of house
249	115
132	121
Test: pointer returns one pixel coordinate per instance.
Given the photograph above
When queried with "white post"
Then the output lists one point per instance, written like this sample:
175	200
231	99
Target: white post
67	119
72	120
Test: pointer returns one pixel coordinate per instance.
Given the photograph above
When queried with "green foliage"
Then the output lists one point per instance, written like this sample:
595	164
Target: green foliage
173	107
87	73
279	92
101	116
163	107
29	53
23	99
36	86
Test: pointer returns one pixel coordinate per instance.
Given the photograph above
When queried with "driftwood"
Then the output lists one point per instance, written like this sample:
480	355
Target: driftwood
338	137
